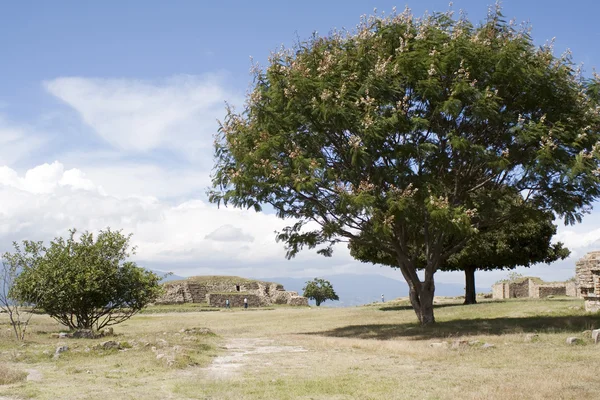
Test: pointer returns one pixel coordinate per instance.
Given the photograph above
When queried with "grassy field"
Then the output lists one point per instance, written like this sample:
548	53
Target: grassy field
369	352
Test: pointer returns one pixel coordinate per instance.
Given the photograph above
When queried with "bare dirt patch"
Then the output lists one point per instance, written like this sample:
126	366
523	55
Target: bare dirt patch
243	352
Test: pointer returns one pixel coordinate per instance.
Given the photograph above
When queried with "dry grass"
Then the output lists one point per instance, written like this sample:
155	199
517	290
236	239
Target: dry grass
352	353
10	375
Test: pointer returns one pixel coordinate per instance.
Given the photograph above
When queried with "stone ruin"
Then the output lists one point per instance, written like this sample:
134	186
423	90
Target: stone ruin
587	272
215	290
533	288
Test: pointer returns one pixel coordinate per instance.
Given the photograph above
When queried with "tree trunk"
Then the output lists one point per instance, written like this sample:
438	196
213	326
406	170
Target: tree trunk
421	300
470	293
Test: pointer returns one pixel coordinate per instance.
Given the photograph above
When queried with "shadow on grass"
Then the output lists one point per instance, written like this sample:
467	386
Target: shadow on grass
467	327
401	307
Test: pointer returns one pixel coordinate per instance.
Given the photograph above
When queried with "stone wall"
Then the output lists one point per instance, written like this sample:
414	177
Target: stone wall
197	290
298	301
500	291
532	288
519	289
585	270
550	290
235	299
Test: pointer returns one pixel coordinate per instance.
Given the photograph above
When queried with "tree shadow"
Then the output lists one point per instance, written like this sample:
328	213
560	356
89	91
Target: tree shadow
401	307
467	327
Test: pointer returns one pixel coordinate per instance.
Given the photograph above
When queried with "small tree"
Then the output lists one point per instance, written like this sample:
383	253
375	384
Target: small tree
319	290
19	312
524	240
87	283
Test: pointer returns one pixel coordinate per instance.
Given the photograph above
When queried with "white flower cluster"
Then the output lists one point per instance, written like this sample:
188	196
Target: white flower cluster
408	192
439	202
354	141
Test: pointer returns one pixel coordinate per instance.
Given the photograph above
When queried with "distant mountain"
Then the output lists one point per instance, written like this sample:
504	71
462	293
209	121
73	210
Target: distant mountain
171	277
354	290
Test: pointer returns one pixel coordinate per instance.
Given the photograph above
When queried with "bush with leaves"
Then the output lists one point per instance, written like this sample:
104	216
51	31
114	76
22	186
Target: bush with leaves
19	311
87	283
319	290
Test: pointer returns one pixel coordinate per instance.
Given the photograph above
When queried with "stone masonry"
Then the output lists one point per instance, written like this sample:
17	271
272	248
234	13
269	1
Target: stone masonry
532	288
587	271
215	290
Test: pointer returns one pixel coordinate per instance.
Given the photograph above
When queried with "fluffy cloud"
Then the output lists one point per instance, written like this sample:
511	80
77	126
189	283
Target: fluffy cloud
187	237
179	113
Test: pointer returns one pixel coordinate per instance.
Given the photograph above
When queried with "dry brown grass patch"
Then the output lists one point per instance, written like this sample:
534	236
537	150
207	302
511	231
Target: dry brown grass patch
9	375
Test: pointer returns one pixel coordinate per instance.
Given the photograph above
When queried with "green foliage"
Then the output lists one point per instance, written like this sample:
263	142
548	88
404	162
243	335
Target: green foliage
87	283
410	135
319	290
19	311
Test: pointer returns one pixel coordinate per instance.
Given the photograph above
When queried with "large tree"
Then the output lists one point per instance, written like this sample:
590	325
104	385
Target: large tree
523	240
87	282
416	130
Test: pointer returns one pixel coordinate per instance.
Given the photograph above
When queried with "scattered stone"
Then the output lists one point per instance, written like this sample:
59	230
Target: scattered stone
197	331
487	346
108	331
160	356
34	375
59	350
439	345
84	334
596	336
457	344
108	345
63	335
573	340
532	337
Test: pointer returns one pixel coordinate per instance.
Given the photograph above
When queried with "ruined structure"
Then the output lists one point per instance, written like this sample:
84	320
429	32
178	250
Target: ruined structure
215	290
533	288
587	271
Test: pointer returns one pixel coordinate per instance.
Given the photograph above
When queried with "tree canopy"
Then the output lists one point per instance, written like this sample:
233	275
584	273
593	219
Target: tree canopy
87	283
523	241
319	290
420	132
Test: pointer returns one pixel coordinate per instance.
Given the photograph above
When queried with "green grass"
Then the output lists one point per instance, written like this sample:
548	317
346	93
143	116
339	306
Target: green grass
371	352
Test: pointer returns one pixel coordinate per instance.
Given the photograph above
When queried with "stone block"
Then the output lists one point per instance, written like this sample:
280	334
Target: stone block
596	335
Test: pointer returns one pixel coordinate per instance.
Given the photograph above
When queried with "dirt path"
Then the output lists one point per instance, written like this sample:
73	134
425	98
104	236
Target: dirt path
244	352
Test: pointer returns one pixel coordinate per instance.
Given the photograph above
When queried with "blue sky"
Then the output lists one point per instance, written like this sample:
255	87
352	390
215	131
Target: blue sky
107	111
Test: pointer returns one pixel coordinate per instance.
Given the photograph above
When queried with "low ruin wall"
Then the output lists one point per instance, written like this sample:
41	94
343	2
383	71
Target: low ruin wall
519	289
298	301
532	288
197	291
235	299
545	291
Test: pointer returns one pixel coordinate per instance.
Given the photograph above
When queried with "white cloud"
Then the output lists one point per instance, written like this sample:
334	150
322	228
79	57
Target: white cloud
48	200
16	142
179	113
229	233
